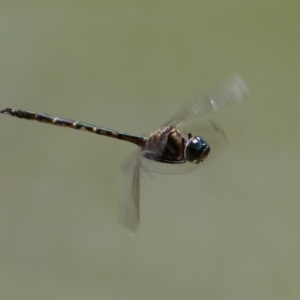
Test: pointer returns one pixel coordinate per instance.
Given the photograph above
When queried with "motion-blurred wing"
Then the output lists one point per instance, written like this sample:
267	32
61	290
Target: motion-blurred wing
129	214
233	91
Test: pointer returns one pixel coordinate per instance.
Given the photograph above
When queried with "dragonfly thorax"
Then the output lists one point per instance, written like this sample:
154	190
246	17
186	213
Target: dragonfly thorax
166	145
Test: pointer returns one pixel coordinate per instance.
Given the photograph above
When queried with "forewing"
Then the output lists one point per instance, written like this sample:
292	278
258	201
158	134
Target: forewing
233	91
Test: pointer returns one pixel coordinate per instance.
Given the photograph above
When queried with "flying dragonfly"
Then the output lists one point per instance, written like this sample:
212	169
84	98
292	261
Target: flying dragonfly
173	148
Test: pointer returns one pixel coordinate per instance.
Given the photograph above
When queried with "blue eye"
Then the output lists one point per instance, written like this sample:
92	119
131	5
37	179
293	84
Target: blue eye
196	149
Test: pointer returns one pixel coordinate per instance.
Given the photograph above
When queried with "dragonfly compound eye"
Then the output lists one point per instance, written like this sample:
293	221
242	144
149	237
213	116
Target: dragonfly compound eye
196	150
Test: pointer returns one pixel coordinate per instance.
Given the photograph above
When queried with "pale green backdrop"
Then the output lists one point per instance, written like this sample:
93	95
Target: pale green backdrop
229	231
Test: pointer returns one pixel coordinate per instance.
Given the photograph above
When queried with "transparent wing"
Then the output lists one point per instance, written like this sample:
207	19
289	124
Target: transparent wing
232	91
129	206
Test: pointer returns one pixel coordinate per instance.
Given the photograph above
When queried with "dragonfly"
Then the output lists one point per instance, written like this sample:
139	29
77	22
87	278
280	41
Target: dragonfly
171	149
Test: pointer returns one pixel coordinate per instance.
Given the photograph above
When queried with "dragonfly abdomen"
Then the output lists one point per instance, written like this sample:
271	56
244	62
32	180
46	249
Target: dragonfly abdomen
69	123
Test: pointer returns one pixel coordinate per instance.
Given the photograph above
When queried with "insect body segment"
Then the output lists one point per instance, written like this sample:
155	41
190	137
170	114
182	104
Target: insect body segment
58	121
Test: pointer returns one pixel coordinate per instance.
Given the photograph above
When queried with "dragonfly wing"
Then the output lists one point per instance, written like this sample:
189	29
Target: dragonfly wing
233	91
129	215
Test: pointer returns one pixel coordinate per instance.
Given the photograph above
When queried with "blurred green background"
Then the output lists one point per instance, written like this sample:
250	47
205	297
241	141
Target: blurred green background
228	231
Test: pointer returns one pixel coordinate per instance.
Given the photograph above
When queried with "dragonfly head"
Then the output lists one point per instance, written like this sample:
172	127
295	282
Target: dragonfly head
196	150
